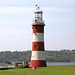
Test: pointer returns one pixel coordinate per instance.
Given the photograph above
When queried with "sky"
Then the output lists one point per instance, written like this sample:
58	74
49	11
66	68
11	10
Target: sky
16	18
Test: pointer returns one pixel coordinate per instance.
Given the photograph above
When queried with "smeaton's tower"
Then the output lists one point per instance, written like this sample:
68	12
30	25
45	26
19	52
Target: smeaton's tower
38	55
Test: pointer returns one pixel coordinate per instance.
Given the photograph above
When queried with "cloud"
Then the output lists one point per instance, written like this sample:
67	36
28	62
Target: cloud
58	9
31	3
22	15
15	10
12	1
58	1
13	18
14	39
10	32
28	10
7	34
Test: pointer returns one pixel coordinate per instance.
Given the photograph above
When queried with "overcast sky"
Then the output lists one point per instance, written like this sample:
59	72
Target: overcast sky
16	18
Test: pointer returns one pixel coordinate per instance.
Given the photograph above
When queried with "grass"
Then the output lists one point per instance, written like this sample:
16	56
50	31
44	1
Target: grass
50	70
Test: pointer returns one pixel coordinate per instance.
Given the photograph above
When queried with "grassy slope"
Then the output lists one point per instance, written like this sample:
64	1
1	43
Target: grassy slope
50	70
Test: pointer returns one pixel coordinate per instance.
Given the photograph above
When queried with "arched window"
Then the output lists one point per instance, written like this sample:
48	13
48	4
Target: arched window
35	46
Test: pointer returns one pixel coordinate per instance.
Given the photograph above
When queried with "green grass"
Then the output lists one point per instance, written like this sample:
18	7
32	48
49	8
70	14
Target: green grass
50	70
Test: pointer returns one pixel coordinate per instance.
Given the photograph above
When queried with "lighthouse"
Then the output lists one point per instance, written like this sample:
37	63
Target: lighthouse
38	51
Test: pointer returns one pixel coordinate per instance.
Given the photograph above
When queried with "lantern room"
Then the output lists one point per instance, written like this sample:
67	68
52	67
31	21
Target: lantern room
38	14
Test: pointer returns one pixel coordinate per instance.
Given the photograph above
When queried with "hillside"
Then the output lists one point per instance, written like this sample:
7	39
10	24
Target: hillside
52	56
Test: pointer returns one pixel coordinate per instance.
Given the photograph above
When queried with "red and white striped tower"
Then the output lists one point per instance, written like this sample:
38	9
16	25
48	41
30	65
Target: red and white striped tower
38	55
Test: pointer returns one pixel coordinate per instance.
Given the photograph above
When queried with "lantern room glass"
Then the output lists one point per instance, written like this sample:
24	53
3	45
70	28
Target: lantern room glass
38	16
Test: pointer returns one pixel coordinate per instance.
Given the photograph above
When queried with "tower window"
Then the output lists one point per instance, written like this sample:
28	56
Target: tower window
35	46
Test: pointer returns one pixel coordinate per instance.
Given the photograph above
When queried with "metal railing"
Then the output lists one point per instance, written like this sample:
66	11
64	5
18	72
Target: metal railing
37	21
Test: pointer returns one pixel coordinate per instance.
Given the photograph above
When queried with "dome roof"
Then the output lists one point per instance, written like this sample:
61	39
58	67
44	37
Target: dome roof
38	9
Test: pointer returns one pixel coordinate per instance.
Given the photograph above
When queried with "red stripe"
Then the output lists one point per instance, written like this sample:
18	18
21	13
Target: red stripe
38	63
39	46
38	29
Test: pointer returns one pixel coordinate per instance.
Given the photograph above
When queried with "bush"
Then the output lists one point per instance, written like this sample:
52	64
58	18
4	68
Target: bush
24	66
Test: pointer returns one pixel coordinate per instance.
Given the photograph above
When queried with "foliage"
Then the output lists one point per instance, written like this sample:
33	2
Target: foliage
60	56
24	66
52	56
50	70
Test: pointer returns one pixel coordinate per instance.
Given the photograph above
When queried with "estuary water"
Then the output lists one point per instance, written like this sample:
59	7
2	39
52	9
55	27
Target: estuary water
5	66
60	63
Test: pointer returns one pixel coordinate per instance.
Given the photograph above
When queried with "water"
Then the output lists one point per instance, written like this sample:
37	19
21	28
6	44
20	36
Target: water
60	63
5	66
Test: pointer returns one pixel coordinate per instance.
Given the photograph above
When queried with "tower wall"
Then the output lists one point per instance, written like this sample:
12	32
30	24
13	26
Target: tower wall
38	55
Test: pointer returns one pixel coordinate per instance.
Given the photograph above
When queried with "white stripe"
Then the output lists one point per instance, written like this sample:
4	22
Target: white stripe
38	55
38	37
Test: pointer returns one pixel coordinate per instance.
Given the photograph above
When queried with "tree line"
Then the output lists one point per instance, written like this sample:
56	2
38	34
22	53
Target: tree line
51	56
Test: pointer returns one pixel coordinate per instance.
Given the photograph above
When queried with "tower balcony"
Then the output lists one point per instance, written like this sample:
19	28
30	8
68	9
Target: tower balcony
38	21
